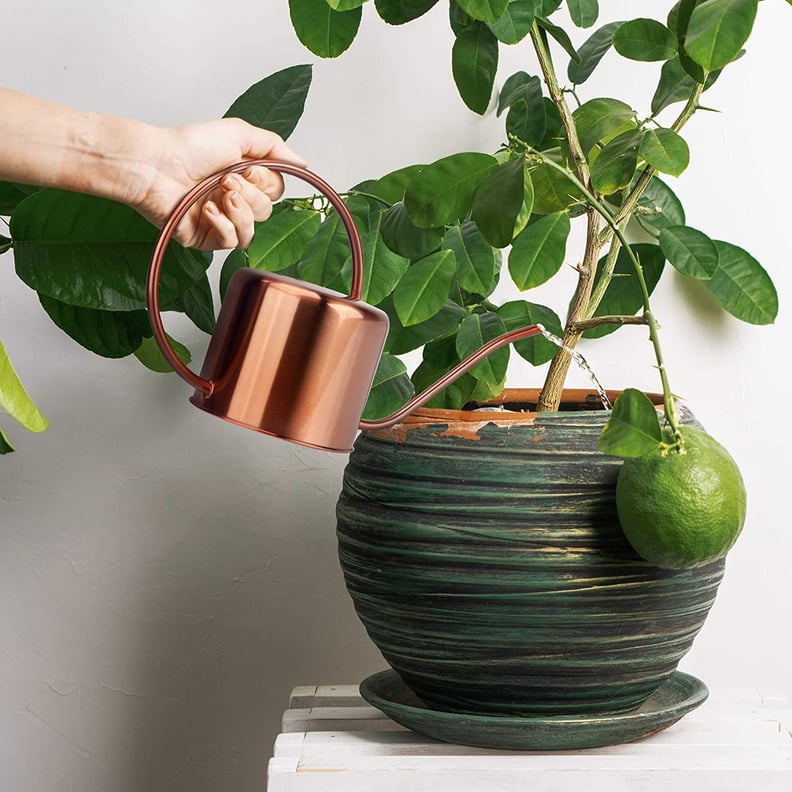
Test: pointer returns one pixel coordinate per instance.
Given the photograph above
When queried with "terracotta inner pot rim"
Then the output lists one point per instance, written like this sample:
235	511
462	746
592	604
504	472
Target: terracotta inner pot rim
586	399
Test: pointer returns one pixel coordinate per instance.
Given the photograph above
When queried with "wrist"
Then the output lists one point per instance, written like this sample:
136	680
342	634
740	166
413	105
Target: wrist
107	156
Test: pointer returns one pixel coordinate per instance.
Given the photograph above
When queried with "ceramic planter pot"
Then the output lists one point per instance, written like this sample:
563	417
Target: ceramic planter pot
484	556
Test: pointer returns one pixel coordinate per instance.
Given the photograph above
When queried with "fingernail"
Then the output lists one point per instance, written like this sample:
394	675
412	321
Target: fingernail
252	175
211	207
232	181
236	200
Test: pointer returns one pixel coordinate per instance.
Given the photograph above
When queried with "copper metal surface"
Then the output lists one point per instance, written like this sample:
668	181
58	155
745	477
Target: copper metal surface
292	360
288	358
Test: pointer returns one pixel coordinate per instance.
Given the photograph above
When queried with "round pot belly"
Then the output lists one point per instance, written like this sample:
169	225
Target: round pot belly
484	556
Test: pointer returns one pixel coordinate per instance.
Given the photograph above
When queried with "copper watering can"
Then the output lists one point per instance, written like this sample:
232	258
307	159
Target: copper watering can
289	358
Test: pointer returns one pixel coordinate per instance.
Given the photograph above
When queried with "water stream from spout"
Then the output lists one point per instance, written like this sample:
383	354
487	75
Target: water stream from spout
582	363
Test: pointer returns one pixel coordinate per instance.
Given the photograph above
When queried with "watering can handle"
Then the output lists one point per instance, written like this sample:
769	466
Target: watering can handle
181	209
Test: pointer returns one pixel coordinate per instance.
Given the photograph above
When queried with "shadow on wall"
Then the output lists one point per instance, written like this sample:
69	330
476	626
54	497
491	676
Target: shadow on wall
243	599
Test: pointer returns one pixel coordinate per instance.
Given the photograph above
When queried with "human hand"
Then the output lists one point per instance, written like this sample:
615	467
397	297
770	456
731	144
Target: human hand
178	158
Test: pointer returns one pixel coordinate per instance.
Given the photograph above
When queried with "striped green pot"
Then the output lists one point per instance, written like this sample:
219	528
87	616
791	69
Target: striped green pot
484	556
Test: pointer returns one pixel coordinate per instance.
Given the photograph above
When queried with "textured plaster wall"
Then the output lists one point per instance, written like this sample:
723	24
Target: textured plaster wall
165	578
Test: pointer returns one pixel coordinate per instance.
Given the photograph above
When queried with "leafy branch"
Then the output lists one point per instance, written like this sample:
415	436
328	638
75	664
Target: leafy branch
439	237
648	316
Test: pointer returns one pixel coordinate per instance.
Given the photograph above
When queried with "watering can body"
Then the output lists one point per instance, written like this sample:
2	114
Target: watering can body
292	359
289	358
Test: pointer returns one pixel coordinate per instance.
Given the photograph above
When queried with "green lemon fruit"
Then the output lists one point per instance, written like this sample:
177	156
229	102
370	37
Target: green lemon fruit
682	508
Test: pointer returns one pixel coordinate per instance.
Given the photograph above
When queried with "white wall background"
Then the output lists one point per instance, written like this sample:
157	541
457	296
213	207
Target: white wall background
165	578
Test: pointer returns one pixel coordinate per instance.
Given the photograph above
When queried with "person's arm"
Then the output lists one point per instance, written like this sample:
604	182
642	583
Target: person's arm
149	168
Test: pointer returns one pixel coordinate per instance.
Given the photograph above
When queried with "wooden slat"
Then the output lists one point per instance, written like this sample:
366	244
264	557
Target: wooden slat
737	741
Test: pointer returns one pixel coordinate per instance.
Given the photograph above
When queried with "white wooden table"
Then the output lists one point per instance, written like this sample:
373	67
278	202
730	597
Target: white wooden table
737	741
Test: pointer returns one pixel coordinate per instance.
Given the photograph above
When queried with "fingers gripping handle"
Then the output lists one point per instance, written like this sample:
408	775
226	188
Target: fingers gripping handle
177	215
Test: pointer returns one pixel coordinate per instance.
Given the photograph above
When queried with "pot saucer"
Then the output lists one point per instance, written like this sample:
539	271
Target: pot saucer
677	696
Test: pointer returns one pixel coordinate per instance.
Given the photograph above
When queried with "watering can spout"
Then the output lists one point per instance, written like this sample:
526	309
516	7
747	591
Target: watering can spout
288	358
451	376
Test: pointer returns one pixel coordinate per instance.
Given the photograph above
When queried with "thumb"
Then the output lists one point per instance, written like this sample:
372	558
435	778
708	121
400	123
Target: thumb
256	143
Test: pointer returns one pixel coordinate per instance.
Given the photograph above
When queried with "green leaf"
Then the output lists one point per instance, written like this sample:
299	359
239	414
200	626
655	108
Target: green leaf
676	85
484	10
236	259
553	192
276	102
5	243
742	286
689	251
516	314
679	16
402	236
392	186
474	63
423	290
382	268
498	201
326	253
476	261
149	354
476	330
441	355
665	151
599	120
538	252
560	35
453	397
325	32
442	192
282	240
364	208
527	119
591	53
633	429
11	193
198	305
15	400
554	138
5	446
345	5
95	253
659	207
517	86
615	165
524	215
645	40
404	339
111	334
678	20
584	13
623	295
717	31
398	12
457	18
392	388
516	21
